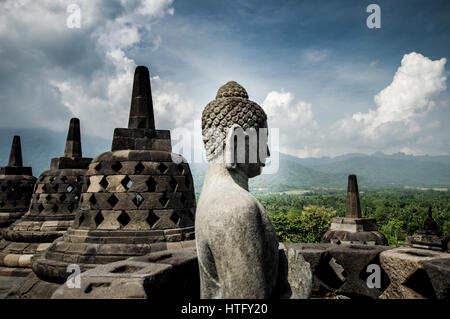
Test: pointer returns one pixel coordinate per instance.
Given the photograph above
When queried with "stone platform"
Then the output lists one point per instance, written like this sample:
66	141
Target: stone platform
335	271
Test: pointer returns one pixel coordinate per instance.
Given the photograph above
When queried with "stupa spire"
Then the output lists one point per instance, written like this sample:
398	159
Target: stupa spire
15	157
353	205
73	143
141	109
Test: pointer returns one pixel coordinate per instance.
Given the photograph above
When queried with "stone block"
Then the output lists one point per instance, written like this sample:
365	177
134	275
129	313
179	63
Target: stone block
408	278
438	271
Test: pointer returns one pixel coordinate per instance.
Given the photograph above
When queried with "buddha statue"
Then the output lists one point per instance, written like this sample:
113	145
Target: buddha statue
237	244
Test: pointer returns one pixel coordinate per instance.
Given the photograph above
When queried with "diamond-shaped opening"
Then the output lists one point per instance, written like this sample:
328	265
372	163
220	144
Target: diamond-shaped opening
93	200
384	280
55	188
112	200
420	283
63	197
42	178
126	182
78	179
331	274
175	218
138	200
98	167
48	197
116	167
40	208
64	179
162	168
70	207
190	214
180	168
187	182
104	182
164	200
152	219
52	179
123	218
44	188
55	208
81	219
151	184
183	198
173	184
98	219
69	188
139	168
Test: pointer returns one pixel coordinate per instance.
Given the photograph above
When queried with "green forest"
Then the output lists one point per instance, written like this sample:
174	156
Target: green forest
304	217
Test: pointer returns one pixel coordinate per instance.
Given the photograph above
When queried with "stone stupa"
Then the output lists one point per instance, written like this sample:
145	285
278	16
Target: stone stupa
52	209
16	187
429	236
353	229
137	198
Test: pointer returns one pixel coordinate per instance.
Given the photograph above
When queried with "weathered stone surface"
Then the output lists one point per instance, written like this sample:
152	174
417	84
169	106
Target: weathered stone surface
295	275
438	271
32	288
354	260
131	197
408	278
53	204
167	274
16	187
236	242
352	229
429	236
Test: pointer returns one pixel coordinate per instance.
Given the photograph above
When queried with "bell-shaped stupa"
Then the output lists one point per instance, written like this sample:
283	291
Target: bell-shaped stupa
16	187
429	236
136	199
52	209
353	229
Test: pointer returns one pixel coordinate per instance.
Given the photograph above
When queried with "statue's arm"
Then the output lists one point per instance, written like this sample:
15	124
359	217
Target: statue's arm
245	261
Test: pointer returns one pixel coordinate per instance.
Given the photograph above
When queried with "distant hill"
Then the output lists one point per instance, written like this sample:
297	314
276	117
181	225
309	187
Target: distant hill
374	171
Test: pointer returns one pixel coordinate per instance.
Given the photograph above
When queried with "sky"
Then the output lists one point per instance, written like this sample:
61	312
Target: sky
328	83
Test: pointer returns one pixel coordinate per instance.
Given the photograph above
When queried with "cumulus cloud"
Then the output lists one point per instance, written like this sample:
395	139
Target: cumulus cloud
51	72
299	131
401	121
401	115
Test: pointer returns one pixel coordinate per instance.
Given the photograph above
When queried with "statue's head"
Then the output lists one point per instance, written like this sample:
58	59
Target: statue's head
235	131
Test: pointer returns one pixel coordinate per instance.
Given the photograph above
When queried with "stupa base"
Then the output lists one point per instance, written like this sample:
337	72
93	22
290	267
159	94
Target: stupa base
7	218
430	242
53	264
14	271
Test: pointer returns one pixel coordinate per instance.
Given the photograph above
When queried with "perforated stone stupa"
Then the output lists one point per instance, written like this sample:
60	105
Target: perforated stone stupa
429	236
52	209
136	199
353	229
16	187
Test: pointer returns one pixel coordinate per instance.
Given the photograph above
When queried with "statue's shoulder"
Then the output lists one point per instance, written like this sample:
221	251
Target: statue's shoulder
229	200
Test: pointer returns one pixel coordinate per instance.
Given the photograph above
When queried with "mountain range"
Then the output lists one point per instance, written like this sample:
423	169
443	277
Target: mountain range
374	171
